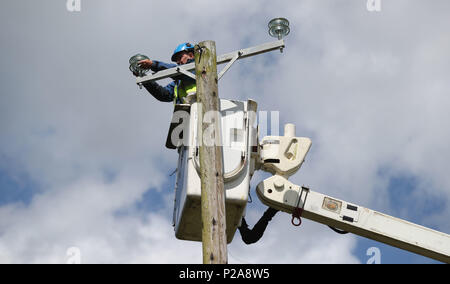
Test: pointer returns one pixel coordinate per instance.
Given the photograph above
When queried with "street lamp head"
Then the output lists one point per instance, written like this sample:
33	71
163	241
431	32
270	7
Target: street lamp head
135	67
279	27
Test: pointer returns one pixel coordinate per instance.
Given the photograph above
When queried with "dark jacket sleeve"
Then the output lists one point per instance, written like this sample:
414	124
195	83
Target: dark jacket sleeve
159	65
253	235
163	94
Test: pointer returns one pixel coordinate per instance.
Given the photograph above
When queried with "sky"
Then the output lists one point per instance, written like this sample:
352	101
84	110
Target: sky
82	157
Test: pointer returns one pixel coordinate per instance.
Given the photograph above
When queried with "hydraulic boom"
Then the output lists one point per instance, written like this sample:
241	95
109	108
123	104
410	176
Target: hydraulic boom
283	156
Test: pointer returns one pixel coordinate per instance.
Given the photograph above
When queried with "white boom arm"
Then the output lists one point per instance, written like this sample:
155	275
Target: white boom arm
283	156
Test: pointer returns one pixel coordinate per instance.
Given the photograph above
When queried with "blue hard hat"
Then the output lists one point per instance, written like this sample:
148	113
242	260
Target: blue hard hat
182	47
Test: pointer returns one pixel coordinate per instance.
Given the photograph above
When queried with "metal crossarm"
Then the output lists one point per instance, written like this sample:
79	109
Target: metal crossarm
225	69
225	58
187	73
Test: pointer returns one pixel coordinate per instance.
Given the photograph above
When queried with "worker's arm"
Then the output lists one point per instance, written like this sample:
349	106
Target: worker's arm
253	235
163	94
157	66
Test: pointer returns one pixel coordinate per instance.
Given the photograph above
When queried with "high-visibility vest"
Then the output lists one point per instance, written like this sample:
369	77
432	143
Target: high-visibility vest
182	91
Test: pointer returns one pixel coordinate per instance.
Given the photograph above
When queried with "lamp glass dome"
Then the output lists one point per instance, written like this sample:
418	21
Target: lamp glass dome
279	27
135	67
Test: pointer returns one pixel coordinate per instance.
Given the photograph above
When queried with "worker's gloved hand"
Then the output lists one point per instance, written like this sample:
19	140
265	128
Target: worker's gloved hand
146	63
143	64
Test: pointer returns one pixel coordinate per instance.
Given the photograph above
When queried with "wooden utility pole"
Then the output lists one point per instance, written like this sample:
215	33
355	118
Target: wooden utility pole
214	237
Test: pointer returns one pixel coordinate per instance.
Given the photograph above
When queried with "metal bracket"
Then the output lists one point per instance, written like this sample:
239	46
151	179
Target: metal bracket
299	211
225	69
187	73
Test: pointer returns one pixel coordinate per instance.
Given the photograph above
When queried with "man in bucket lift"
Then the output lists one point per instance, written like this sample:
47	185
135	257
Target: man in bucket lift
183	90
